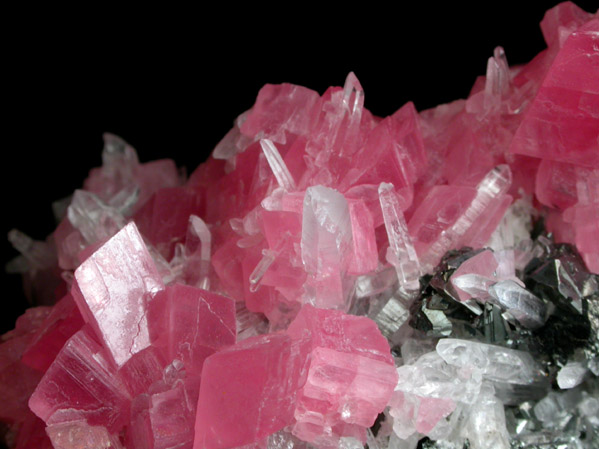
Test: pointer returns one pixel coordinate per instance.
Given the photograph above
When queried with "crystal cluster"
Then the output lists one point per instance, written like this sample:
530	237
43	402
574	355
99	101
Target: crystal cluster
331	279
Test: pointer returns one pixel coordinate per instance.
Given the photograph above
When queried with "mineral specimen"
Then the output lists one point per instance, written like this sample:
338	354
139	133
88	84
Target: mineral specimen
331	279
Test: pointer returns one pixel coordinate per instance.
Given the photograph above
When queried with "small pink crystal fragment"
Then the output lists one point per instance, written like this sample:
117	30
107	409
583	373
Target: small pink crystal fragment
556	183
351	378
142	370
163	419
112	289
562	124
560	21
469	219
248	390
81	384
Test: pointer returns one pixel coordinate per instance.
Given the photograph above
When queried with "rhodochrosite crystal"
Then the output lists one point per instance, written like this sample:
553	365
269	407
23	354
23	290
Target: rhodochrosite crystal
331	279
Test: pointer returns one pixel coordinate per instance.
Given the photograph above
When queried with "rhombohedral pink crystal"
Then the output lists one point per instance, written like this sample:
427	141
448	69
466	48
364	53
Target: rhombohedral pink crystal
331	279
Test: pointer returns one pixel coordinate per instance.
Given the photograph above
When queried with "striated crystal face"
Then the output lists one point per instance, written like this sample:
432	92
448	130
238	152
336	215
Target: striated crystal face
330	279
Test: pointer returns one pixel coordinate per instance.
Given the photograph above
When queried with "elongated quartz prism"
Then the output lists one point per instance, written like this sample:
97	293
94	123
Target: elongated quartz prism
402	254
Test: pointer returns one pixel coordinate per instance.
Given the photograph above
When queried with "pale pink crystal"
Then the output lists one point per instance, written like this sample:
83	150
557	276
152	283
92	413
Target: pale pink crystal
248	390
120	276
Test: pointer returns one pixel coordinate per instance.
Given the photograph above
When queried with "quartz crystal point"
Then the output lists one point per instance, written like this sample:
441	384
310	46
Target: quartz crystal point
326	246
95	220
198	248
121	170
486	206
277	165
402	254
120	276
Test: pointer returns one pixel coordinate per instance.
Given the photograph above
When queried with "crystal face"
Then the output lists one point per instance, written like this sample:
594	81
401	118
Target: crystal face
330	279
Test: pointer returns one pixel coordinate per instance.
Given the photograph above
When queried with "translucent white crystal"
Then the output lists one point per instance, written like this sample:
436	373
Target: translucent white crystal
277	165
524	306
268	257
474	284
36	255
402	254
431	376
486	427
496	362
198	249
571	375
326	245
353	100
94	219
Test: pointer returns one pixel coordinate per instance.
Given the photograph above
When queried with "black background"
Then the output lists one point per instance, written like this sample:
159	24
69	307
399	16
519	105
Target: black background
172	82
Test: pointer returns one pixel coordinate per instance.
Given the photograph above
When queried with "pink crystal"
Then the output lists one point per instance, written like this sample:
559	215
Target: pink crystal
191	324
81	384
213	313
351	377
249	390
119	276
570	86
62	322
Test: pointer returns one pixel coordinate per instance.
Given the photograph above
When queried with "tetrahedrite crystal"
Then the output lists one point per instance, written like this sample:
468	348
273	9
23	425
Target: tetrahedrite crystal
330	279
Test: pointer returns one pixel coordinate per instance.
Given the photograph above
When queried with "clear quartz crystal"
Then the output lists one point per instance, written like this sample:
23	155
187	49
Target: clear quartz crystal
495	184
524	306
197	250
402	254
496	362
277	165
36	254
486	426
571	375
94	219
326	246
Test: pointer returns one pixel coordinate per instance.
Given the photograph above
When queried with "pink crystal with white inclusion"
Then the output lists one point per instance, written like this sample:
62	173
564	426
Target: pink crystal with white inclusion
112	290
